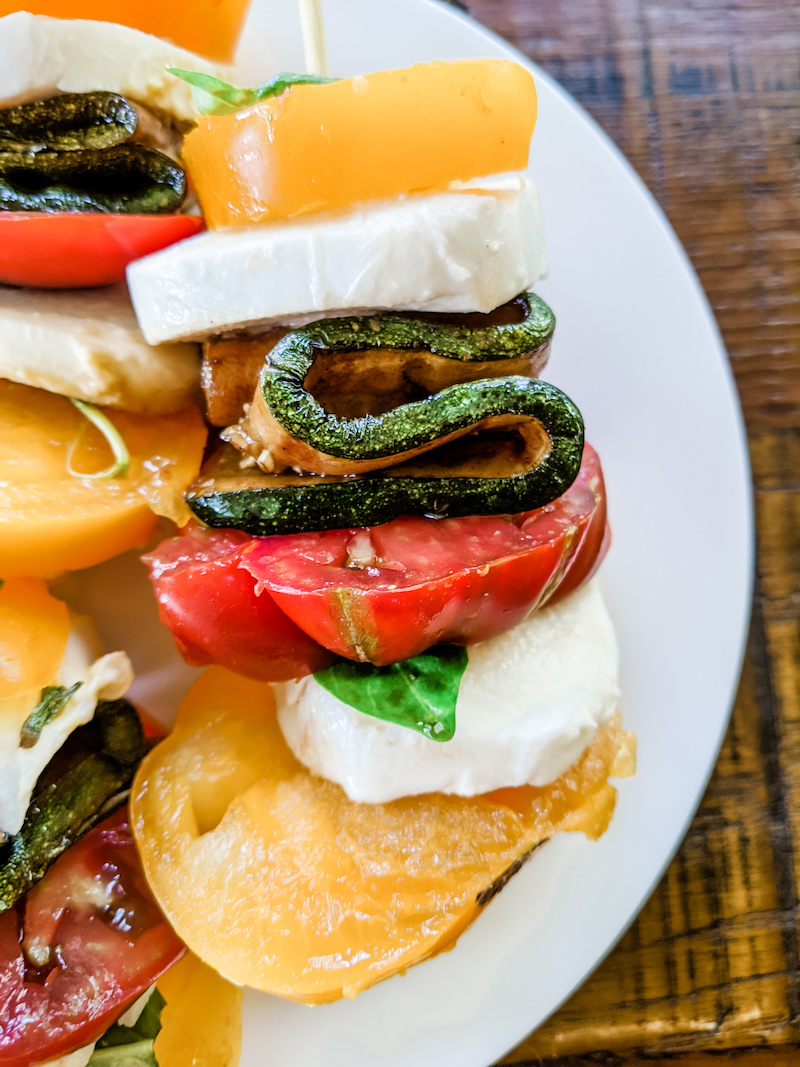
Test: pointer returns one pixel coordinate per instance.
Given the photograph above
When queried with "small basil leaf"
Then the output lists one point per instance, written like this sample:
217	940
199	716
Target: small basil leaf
136	1054
211	95
131	1046
149	1022
215	97
51	703
420	693
281	82
145	1029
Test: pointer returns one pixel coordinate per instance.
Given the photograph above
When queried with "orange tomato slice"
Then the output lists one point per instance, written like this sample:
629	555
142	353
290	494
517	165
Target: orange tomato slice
209	27
34	627
278	881
320	147
50	520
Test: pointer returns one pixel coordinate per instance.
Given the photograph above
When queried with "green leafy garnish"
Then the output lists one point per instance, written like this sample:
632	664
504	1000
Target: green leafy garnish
131	1046
420	693
51	703
215	97
122	457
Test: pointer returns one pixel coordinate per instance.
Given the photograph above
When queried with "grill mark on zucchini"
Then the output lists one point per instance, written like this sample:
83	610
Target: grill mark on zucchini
286	426
124	179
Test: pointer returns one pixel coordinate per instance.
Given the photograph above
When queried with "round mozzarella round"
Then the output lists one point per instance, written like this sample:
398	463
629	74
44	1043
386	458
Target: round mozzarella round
529	703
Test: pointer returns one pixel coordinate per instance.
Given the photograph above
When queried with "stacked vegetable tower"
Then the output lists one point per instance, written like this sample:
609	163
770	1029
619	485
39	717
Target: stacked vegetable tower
399	525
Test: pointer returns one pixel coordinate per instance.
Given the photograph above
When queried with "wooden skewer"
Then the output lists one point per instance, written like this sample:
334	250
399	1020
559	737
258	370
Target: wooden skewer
314	44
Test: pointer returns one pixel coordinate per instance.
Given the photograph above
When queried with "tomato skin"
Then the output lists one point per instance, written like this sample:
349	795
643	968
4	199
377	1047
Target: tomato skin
433	580
71	1002
80	250
595	535
210	605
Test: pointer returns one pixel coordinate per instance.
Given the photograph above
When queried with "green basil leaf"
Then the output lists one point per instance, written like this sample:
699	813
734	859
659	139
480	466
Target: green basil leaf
212	96
420	693
137	1054
51	704
131	1046
281	82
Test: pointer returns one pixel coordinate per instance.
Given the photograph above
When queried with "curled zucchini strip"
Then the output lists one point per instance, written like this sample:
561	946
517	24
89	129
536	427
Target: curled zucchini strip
68	123
492	474
124	179
287	426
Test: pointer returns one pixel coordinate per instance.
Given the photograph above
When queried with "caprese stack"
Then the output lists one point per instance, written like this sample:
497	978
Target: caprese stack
399	526
82	942
81	939
100	432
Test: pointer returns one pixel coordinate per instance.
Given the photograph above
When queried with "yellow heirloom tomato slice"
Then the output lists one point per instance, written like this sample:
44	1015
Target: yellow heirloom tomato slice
51	520
34	628
278	881
201	1025
322	147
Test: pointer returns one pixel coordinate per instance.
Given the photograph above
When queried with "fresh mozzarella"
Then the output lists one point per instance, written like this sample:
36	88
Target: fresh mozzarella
79	1058
530	702
40	56
467	249
106	678
86	343
133	1014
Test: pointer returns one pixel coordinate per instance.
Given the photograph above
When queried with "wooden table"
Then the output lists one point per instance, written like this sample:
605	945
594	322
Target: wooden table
703	97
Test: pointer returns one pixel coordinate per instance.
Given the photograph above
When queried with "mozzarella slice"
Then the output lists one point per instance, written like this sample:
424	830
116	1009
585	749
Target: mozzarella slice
40	56
530	702
86	343
468	249
106	678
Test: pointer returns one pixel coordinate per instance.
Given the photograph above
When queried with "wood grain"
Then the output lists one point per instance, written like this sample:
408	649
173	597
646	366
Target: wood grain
703	96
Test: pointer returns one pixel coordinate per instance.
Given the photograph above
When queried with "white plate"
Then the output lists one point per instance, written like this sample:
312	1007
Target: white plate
637	348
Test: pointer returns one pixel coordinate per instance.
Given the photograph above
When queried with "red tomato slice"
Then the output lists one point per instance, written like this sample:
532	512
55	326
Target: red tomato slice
387	593
105	940
210	605
80	250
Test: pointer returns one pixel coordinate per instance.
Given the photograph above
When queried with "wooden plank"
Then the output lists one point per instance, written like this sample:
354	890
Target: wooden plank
786	1056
